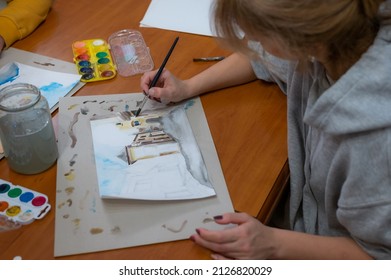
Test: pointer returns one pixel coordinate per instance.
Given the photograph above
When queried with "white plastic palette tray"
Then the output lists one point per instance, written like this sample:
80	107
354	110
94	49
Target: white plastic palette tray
22	205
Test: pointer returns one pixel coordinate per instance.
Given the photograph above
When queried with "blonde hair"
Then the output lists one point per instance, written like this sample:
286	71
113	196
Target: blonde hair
345	27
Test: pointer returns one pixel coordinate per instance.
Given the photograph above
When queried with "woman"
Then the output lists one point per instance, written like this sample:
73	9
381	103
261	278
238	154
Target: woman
18	18
332	59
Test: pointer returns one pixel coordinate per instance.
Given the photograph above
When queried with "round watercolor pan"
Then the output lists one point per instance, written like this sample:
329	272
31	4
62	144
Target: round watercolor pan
84	63
101	54
87	77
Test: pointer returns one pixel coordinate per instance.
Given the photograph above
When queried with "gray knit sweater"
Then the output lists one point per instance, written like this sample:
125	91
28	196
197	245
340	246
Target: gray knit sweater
339	143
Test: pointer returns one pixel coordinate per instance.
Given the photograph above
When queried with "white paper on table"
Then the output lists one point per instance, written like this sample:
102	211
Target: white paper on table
191	16
52	84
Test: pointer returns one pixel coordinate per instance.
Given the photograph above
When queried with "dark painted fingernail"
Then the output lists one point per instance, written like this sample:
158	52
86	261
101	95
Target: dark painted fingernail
198	231
192	238
218	217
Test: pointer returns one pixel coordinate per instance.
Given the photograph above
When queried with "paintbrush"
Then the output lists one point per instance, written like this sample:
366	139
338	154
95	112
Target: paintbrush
157	76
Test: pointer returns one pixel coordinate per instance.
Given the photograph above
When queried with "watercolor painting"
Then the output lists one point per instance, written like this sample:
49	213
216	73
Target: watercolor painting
52	84
149	157
86	222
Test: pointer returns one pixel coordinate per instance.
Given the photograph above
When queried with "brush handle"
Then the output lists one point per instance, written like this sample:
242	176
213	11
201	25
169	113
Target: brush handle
159	72
157	76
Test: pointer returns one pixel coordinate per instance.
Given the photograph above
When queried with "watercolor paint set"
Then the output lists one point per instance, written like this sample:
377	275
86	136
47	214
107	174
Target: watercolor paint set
93	60
21	205
125	53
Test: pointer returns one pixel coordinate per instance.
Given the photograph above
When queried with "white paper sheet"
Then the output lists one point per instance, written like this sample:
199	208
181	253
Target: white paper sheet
52	85
190	16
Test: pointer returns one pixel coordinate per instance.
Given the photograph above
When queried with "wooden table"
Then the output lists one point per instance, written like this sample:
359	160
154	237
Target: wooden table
248	124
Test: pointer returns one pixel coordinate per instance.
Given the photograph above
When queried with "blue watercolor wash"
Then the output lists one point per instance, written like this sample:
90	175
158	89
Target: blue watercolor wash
54	91
189	104
105	183
9	73
52	87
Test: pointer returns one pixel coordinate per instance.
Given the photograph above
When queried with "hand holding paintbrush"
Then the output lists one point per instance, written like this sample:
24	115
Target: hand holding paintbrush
157	76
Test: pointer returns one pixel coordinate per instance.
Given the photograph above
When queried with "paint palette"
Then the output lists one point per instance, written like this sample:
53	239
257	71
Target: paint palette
93	60
22	205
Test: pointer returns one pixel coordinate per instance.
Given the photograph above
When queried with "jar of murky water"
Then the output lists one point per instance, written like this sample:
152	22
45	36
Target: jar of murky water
26	129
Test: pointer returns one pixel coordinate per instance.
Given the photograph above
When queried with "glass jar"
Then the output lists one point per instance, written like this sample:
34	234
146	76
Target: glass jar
26	129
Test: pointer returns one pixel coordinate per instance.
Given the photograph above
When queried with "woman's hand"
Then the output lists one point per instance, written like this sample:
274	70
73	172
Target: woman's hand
250	239
168	88
231	71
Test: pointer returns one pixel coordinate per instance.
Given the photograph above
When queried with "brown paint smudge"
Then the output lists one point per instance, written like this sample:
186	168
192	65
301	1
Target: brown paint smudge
96	230
176	230
70	129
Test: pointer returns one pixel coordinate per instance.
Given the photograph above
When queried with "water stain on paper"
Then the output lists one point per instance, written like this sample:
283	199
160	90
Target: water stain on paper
69	190
70	175
83	200
115	230
68	202
73	160
73	106
84	110
76	225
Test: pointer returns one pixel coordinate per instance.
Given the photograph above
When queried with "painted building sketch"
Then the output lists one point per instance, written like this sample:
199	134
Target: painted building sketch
150	157
151	144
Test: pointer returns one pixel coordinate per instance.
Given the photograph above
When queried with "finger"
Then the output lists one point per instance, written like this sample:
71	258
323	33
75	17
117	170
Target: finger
146	80
219	236
154	92
158	94
150	75
228	234
165	73
229	249
232	218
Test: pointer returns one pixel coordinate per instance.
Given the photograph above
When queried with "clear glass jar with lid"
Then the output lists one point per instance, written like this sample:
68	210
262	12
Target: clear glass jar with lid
26	129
